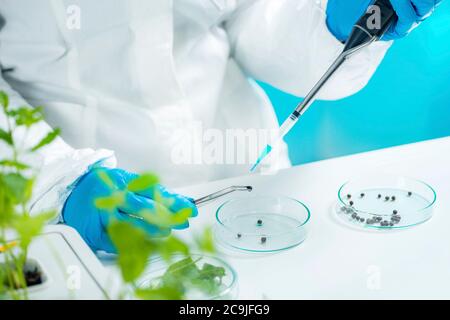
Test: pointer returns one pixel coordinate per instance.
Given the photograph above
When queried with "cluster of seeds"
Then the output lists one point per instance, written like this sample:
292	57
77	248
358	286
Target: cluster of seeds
394	219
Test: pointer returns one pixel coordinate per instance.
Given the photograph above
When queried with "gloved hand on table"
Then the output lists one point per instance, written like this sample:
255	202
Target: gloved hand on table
81	213
342	15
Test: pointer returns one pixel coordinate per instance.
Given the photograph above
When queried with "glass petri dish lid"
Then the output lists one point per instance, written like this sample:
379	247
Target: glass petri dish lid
262	223
385	202
201	283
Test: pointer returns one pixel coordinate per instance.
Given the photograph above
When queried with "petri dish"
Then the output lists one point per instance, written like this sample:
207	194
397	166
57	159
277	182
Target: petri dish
262	223
385	202
226	289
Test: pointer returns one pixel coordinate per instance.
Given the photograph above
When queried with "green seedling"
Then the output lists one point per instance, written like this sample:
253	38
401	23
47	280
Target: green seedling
17	179
186	275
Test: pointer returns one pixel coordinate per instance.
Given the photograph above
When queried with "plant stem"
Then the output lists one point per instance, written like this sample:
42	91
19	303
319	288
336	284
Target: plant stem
11	133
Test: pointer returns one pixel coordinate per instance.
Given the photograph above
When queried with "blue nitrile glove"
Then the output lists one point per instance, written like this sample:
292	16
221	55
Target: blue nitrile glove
81	213
342	15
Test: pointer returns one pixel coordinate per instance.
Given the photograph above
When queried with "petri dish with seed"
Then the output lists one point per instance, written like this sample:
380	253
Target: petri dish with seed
262	223
389	202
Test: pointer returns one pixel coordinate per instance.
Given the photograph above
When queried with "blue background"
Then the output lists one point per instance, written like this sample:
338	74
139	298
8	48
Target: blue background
407	100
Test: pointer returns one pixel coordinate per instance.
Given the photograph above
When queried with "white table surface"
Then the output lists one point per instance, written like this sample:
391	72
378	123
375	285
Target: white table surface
338	262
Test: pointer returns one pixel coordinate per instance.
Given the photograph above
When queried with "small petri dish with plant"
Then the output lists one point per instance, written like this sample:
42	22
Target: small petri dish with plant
192	277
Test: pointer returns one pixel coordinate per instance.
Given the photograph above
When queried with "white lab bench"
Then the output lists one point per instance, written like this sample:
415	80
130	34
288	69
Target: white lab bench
339	262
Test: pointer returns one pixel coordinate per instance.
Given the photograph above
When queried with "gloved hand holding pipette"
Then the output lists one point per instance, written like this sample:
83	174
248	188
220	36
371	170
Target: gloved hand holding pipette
349	22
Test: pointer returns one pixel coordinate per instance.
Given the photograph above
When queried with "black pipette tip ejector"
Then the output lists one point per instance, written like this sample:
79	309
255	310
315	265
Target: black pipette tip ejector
372	25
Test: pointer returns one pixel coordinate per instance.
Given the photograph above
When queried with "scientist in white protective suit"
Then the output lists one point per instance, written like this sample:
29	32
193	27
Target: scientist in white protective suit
123	78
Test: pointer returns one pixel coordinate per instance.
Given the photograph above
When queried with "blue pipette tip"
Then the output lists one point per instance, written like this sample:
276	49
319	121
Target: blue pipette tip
264	154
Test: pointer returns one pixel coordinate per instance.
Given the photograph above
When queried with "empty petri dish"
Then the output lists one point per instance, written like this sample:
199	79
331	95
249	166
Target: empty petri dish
202	277
385	202
262	223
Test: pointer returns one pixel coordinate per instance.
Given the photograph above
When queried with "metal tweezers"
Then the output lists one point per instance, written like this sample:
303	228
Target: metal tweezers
209	198
213	196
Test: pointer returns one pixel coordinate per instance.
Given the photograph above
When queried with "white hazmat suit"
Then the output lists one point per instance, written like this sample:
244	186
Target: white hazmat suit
120	76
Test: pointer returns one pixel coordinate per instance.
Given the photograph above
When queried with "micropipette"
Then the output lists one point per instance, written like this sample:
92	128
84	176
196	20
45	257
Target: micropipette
368	29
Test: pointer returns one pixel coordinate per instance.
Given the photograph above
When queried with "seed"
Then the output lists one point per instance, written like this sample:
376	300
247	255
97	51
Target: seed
354	216
349	196
239	235
362	195
409	193
379	196
351	203
263	240
393	198
259	222
362	219
395	212
391	224
343	209
386	198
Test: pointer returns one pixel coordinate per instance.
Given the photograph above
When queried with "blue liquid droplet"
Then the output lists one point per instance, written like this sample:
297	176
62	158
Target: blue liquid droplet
264	154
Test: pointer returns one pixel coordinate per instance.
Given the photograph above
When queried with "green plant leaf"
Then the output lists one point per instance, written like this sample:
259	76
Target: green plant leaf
17	187
26	116
47	139
210	271
133	249
14	164
206	241
162	293
29	227
4	100
7	205
6	136
187	275
111	202
164	218
105	178
209	279
170	246
143	182
158	197
180	271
